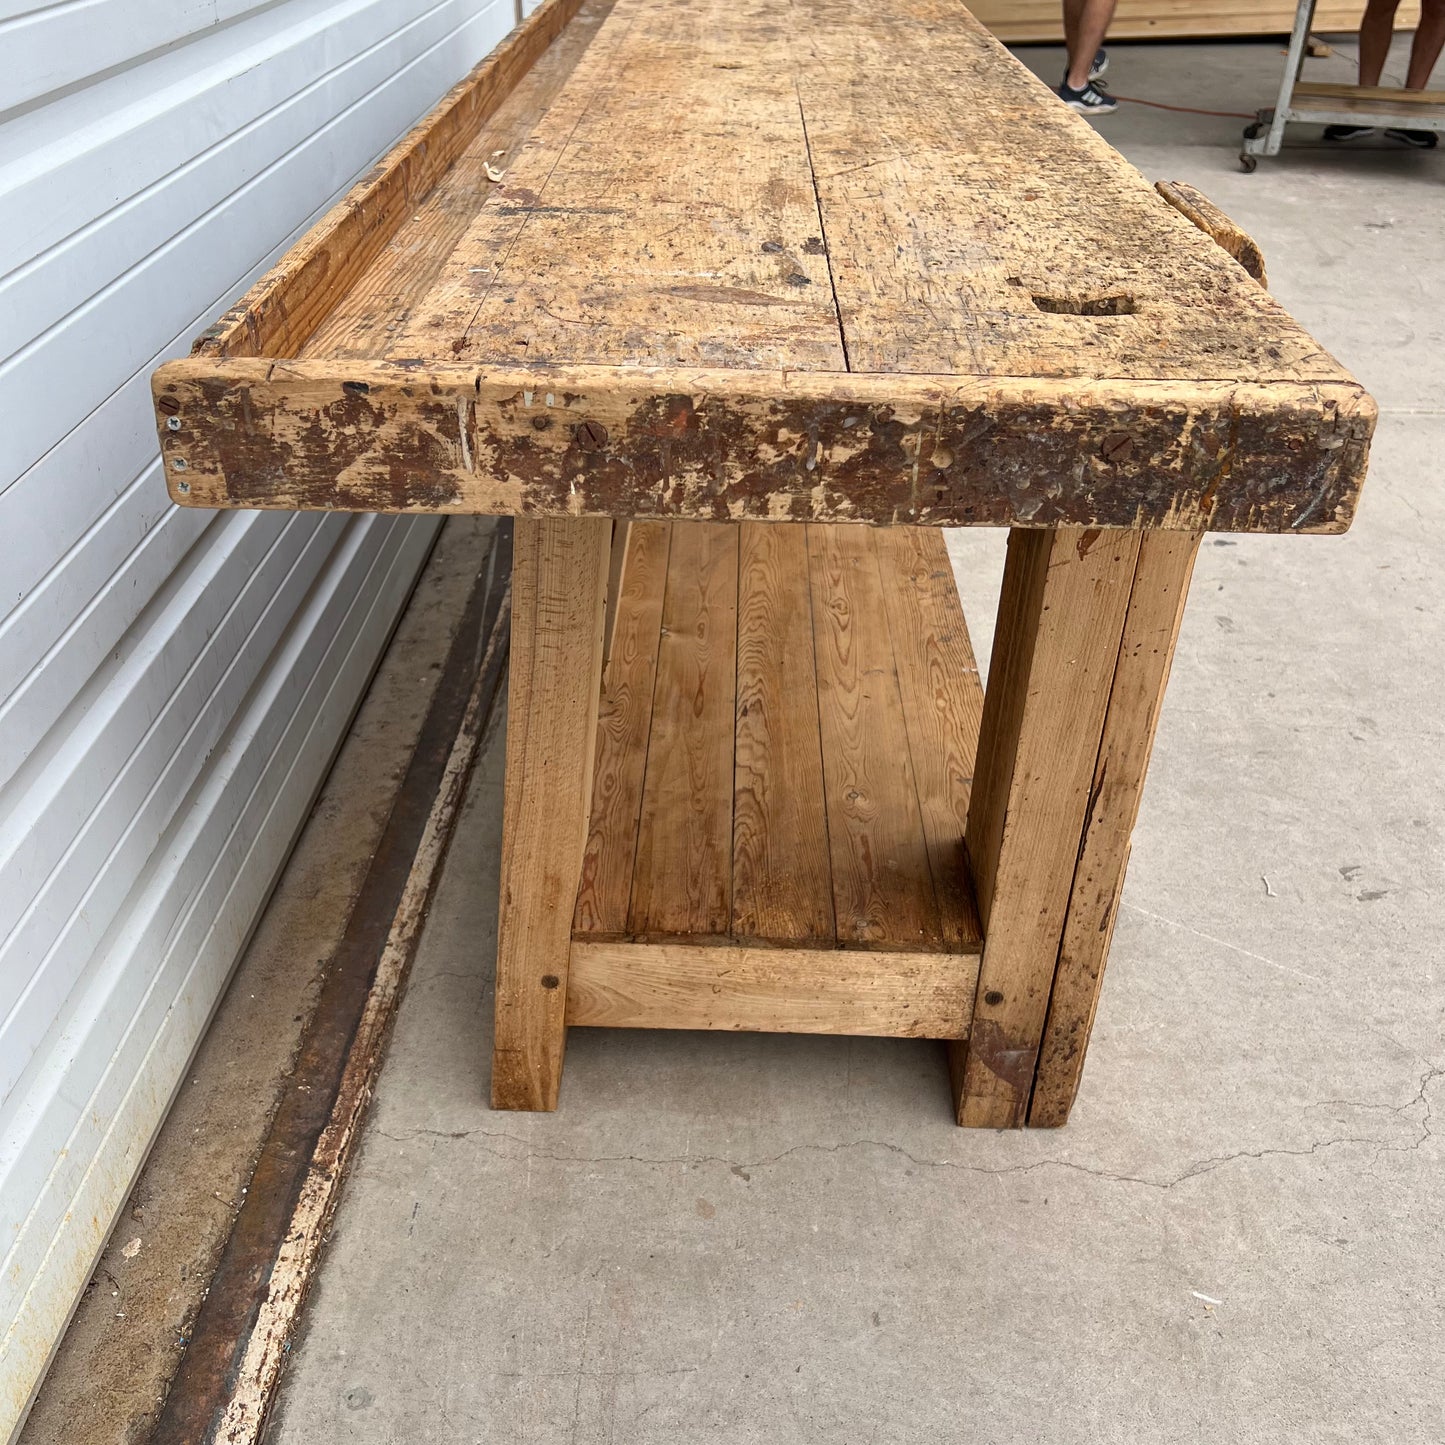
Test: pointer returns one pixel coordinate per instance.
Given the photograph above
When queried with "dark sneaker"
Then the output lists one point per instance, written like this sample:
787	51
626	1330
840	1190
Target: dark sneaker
1092	99
1348	132
1100	65
1425	140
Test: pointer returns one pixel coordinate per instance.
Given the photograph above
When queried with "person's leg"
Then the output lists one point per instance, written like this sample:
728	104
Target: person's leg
1429	41
1375	31
1090	25
1072	10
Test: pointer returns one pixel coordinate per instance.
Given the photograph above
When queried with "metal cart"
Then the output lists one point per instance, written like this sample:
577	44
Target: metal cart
1323	103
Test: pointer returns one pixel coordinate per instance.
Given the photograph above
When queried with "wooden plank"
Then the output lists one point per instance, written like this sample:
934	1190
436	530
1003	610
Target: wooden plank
1195	206
623	441
782	883
1061	617
1151	628
559	579
366	317
882	884
1333	90
772	990
687	261
1424	117
281	310
954	234
1028	21
623	725
942	706
682	878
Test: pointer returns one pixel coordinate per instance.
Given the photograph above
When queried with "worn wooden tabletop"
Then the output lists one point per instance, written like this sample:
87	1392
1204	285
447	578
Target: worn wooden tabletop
835	260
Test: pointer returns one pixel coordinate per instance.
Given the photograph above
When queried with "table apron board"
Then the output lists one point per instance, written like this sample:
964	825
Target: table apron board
784	446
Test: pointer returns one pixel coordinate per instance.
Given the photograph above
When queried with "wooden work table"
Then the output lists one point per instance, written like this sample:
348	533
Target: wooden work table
694	288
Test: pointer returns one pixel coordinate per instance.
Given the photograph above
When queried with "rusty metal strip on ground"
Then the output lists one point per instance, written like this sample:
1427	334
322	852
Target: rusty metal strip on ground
232	1363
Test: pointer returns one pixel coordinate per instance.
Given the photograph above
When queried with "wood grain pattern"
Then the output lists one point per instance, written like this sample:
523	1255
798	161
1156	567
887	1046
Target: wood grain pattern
688	261
623	726
782	884
954	235
771	990
559	581
364	318
893	761
275	317
882	885
682	879
621	441
1151	628
1061	617
1333	90
942	707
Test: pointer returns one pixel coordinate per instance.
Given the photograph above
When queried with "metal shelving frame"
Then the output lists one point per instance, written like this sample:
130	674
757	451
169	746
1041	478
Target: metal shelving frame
1265	136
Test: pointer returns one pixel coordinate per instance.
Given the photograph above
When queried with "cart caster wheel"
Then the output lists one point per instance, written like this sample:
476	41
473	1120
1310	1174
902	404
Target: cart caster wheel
1254	130
1248	164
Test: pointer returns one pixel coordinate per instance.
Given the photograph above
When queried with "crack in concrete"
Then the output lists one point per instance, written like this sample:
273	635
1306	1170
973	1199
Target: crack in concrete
1194	1171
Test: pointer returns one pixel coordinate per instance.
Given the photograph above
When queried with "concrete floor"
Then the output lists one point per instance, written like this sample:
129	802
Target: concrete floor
1238	1237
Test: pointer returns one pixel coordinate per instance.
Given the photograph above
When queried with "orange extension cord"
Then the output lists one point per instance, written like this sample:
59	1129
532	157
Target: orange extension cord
1182	109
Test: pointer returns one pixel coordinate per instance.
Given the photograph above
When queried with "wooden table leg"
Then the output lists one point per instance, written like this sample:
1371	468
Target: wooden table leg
1057	651
1151	628
559	591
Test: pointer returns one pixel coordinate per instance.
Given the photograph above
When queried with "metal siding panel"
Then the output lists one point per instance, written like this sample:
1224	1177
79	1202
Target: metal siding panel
60	375
56	47
161	738
148	998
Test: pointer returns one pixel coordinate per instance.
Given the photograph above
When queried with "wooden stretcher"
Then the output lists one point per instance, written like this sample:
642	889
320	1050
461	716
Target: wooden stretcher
733	308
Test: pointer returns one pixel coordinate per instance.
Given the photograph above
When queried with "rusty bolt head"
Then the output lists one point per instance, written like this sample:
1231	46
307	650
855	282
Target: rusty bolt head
1118	446
167	404
540	422
591	435
550	980
993	998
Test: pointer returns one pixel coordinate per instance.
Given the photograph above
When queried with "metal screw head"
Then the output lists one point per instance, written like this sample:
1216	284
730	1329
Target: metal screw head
550	980
167	404
183	487
174	423
178	464
591	435
993	998
1118	446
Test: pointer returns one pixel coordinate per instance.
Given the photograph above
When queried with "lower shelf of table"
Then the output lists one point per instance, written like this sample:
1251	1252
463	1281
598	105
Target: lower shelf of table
786	741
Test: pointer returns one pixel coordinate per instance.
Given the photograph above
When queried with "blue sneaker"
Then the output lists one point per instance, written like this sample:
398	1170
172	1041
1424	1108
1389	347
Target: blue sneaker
1091	100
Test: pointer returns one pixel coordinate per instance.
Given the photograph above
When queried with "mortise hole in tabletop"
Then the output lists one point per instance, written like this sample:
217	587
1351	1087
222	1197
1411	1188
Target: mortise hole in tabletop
1118	303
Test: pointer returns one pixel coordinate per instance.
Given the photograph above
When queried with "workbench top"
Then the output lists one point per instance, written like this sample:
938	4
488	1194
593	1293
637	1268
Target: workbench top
725	259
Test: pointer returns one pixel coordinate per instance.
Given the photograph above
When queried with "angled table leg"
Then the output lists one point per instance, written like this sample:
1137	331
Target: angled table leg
1062	622
559	591
1151	628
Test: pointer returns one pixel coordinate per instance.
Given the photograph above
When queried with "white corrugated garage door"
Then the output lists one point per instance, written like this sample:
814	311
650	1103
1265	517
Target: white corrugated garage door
172	683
